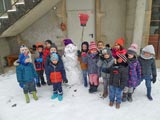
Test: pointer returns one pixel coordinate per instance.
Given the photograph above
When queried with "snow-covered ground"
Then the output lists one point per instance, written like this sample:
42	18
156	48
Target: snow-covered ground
77	104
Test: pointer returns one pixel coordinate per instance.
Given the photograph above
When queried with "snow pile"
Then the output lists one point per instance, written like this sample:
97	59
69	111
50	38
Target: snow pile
77	104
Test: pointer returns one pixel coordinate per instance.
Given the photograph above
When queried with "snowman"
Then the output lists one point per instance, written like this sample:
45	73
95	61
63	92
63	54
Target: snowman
71	63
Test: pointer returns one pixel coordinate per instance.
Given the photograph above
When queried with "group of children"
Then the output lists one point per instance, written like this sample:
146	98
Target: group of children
122	70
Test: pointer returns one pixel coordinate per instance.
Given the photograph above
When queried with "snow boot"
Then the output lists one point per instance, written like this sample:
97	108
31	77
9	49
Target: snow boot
105	93
60	97
130	97
149	94
27	98
38	84
54	96
43	82
49	82
117	105
91	88
124	97
34	95
111	103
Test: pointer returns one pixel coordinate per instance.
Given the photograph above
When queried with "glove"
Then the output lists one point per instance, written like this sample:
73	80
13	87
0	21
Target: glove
65	81
154	79
36	80
21	85
84	54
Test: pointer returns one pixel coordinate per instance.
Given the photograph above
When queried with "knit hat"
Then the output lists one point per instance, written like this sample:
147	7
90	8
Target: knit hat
120	42
49	41
123	57
133	49
54	56
106	51
53	46
92	45
67	42
149	49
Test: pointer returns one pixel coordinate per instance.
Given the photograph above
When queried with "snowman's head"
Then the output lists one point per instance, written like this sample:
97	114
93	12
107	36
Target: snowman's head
71	49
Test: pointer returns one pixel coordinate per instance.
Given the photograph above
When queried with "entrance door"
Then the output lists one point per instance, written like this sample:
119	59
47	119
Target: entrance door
74	8
154	37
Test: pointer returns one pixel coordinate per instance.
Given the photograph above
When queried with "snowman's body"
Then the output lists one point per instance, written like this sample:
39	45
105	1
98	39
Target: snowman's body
71	65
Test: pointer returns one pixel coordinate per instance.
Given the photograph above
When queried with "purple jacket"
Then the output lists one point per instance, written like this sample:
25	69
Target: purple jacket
134	73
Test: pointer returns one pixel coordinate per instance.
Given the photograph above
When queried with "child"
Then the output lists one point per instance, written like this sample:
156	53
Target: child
100	46
91	60
134	73
148	65
26	76
84	67
118	47
40	66
105	66
118	79
56	74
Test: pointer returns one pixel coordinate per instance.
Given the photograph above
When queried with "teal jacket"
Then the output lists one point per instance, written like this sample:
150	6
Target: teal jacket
26	73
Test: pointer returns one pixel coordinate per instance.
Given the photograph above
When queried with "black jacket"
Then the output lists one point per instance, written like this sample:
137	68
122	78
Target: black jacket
118	76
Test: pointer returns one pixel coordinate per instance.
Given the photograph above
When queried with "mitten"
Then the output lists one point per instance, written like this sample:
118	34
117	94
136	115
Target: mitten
154	79
21	85
65	81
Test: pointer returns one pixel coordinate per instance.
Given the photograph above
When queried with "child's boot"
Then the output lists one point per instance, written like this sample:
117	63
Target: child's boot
149	93
130	97
54	96
117	105
38	84
43	82
111	103
34	95
27	98
60	97
124	97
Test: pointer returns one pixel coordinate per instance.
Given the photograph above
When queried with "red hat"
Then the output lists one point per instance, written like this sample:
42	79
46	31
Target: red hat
120	41
92	45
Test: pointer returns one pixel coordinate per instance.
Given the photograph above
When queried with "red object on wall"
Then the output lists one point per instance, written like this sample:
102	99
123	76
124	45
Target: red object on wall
83	19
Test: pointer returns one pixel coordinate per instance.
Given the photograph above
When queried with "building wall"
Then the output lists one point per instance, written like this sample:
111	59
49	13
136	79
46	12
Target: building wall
130	20
48	27
5	50
114	22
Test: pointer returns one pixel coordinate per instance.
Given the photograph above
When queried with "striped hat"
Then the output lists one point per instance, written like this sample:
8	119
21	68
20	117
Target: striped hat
92	45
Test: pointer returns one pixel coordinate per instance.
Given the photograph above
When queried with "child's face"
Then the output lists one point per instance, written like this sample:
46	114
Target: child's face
93	51
40	49
47	45
106	56
84	47
54	61
130	56
146	54
117	47
53	50
24	50
100	46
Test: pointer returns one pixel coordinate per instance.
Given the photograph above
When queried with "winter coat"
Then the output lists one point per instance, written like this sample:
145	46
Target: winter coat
56	73
134	77
46	52
92	63
39	62
148	66
118	76
26	73
105	66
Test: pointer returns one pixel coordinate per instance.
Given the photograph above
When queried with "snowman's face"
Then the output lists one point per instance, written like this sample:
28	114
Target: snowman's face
70	49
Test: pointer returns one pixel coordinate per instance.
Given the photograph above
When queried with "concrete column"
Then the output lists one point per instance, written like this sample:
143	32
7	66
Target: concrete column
139	22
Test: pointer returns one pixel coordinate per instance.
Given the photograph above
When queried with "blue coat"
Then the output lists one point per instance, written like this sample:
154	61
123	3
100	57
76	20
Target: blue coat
26	73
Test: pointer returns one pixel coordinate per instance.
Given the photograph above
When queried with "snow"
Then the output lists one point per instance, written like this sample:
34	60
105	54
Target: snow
77	104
